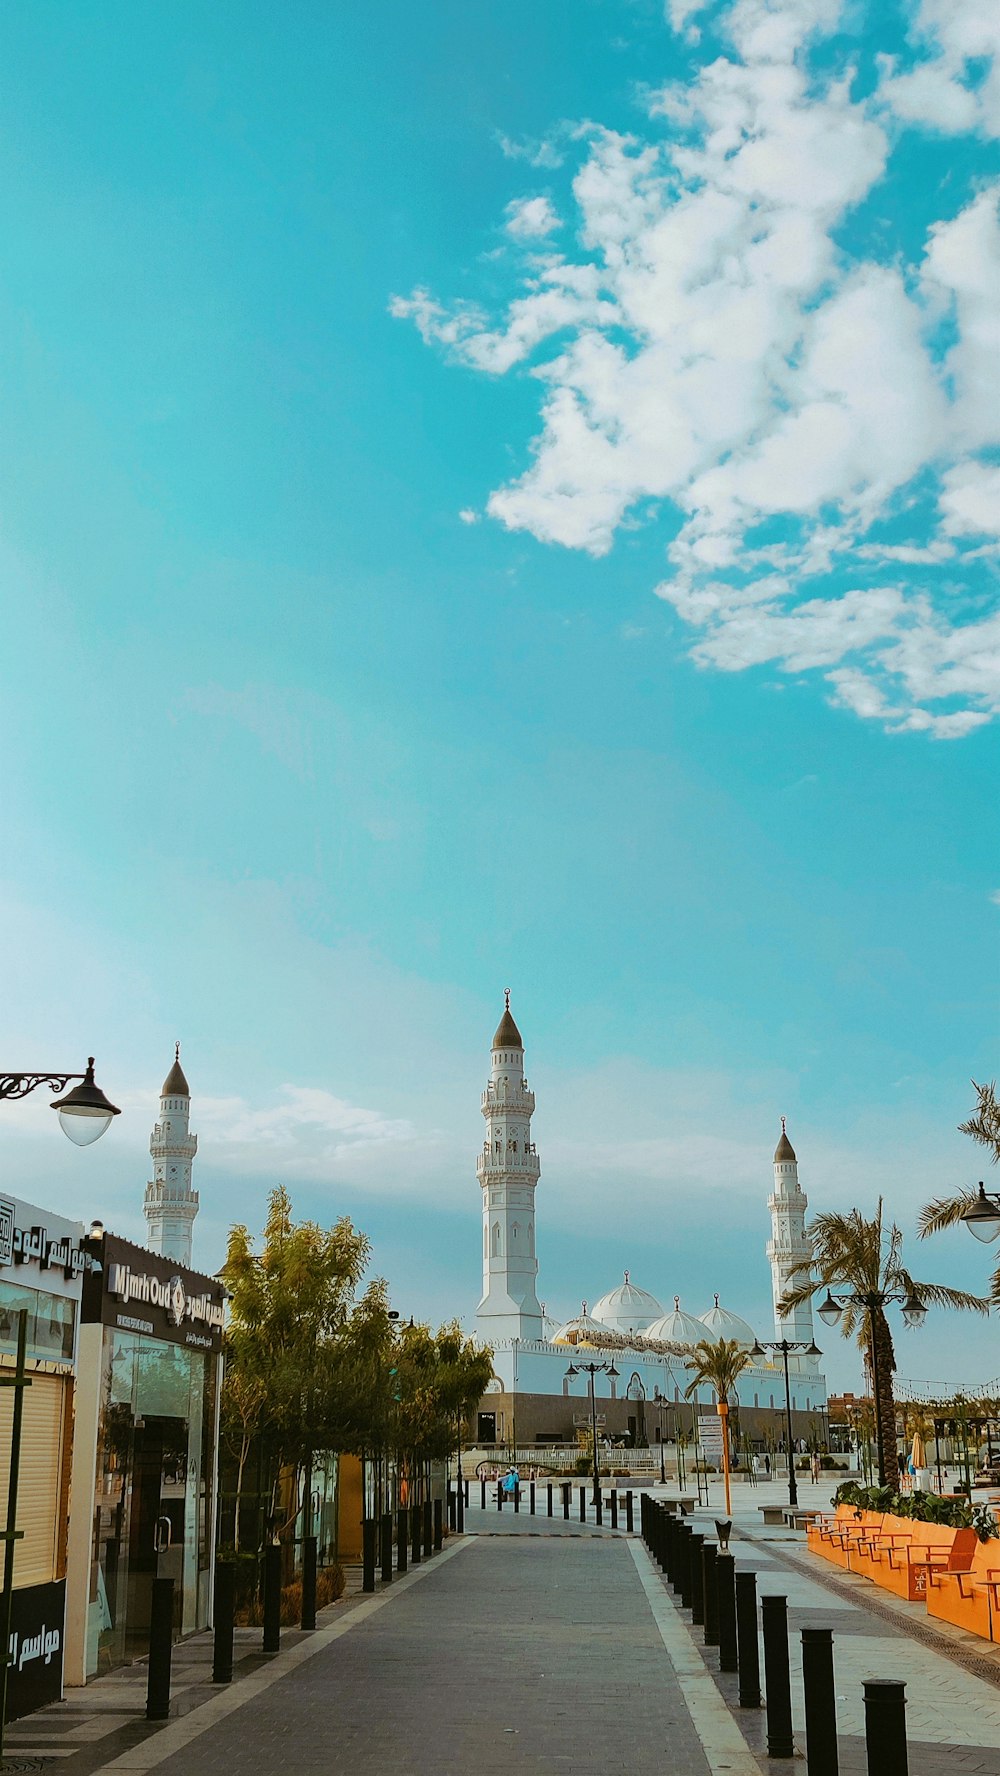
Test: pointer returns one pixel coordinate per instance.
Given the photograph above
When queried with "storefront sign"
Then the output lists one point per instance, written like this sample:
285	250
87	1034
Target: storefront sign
36	1648
37	1245
140	1292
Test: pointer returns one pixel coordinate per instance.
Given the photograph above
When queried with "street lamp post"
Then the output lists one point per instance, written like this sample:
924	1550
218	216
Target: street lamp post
785	1345
590	1370
914	1313
84	1115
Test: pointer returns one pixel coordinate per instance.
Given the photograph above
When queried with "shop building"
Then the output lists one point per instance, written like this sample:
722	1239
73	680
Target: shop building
43	1259
145	1452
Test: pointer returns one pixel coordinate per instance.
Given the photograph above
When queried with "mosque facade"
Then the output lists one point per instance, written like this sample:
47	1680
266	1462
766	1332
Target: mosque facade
533	1399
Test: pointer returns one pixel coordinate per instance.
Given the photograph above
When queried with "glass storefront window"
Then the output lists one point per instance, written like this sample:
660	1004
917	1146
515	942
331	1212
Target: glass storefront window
154	1480
51	1322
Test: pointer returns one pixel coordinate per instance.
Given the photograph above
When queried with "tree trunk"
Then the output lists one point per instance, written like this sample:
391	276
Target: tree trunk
885	1406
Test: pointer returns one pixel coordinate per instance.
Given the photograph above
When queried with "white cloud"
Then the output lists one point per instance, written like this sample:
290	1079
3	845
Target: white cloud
995	897
958	88
468	516
714	345
530	218
970	499
543	153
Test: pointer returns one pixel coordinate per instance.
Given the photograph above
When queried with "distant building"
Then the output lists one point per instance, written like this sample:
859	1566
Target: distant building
171	1205
532	1398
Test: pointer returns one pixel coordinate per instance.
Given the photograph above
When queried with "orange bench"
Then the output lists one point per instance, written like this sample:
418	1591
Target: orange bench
902	1560
837	1538
968	1599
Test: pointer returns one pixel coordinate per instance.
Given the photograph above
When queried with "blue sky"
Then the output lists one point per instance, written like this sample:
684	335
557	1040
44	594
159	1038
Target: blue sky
506	496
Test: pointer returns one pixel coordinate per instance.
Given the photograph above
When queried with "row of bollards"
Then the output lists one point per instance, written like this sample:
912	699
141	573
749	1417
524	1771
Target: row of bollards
724	1603
514	1497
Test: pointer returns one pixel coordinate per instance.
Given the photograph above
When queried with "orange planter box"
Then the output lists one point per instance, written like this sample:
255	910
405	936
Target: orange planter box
968	1599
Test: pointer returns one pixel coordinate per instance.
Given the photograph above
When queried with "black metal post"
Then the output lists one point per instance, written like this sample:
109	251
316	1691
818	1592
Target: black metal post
710	1586
272	1598
310	1550
18	1381
695	1544
463	1500
386	1548
369	1536
161	1642
686	1554
598	1506
725	1574
482	1494
517	1498
428	1515
777	1683
223	1615
465	1493
628	1511
885	1727
614	1507
402	1539
821	1702
531	1498
747	1650
566	1490
549	1497
583	1504
452	1508
438	1526
793	1495
499	1492
414	1535
593	1430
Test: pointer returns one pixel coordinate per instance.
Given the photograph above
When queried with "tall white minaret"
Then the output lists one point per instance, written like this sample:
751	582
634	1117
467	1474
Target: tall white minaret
508	1172
171	1205
789	1246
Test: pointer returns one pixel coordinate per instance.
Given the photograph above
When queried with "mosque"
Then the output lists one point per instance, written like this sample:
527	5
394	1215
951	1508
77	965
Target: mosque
533	1398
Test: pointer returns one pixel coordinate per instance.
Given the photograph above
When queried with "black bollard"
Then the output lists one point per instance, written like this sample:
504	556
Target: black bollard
428	1527
777	1685
223	1616
402	1538
385	1549
272	1599
583	1504
685	1555
307	1617
548	1490
614	1508
438	1526
598	1506
465	1493
665	1532
710	1586
644	1517
369	1537
565	1489
885	1726
453	1498
628	1511
499	1494
463	1499
821	1702
725	1575
531	1498
517	1499
697	1585
747	1648
161	1641
414	1535
482	1495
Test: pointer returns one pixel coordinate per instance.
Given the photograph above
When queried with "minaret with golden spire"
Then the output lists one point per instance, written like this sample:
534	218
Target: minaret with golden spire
508	1172
171	1205
788	1247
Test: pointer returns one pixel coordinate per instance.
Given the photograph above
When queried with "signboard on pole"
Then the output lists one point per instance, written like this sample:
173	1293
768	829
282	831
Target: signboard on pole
710	1437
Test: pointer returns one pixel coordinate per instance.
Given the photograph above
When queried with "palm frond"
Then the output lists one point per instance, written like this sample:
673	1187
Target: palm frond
944	1211
984	1123
937	1295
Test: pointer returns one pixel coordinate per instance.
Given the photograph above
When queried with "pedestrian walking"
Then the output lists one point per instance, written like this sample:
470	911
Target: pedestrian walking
767	1464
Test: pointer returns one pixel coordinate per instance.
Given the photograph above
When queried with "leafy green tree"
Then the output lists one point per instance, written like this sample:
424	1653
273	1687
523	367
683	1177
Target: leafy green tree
718	1364
855	1256
946	1211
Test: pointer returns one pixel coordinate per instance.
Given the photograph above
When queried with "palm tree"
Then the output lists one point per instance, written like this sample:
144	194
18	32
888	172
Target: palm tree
860	1257
718	1364
945	1211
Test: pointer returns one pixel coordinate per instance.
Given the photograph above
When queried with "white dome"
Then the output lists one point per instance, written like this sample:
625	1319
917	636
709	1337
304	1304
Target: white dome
627	1308
723	1324
550	1327
677	1327
576	1330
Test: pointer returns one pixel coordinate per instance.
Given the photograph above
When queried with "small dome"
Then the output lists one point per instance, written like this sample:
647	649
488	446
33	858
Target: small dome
576	1331
677	1327
508	1035
627	1308
175	1085
720	1323
784	1153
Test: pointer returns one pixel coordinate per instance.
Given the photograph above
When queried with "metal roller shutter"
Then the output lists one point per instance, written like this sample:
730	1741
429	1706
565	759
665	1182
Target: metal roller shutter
40	1492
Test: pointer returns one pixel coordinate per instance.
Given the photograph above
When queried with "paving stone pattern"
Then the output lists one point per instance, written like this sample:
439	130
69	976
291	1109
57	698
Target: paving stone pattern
522	1655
